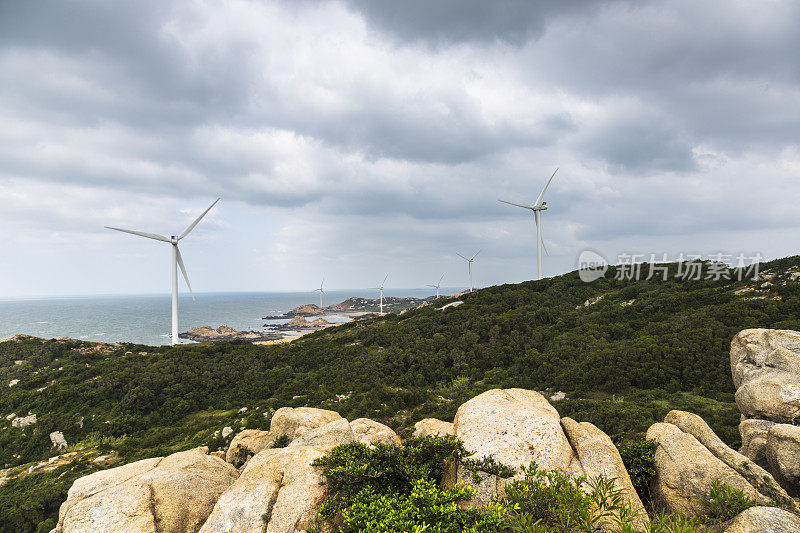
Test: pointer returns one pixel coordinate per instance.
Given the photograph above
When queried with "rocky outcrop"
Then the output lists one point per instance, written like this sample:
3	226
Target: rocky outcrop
765	364
599	457
515	427
330	435
172	494
23	421
58	440
246	444
759	478
297	421
278	492
763	520
369	432
783	456
686	470
431	427
225	333
754	439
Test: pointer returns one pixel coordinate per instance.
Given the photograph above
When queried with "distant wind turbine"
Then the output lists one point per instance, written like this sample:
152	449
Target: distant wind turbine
177	261
537	209
381	289
320	291
439	284
470	260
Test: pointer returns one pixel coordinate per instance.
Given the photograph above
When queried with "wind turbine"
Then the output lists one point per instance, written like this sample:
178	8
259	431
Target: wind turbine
470	260
320	291
537	209
381	289
439	284
177	261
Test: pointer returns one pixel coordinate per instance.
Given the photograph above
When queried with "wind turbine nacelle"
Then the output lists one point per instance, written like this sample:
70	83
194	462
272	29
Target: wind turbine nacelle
541	207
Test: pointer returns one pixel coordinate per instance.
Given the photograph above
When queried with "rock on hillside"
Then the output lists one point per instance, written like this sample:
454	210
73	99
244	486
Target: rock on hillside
172	494
515	427
432	427
297	421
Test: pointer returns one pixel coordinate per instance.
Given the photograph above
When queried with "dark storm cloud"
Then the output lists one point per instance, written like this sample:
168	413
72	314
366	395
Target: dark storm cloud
462	21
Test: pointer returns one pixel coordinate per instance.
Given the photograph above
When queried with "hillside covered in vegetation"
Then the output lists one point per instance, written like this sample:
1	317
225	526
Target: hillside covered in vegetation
624	352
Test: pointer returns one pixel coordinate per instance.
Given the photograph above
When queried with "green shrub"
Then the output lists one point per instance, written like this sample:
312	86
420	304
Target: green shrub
638	455
725	502
426	508
556	501
281	442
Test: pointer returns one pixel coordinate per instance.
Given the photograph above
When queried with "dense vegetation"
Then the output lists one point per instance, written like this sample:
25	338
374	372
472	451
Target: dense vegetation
640	349
398	489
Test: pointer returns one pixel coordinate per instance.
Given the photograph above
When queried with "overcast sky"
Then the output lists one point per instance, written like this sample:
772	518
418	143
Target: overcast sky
354	139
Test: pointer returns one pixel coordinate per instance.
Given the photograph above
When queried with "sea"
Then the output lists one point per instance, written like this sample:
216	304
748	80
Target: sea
146	319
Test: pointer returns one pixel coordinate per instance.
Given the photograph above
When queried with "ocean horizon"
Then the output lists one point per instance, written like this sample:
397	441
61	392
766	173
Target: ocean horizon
146	318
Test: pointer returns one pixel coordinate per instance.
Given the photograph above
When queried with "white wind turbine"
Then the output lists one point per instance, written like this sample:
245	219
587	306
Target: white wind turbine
470	260
537	209
381	289
320	291
176	261
439	284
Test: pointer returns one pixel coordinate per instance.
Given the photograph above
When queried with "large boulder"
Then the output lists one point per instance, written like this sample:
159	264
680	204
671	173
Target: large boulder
765	364
515	427
686	470
330	435
599	457
297	421
431	427
246	444
172	494
369	432
754	439
278	492
763	520
759	478
783	455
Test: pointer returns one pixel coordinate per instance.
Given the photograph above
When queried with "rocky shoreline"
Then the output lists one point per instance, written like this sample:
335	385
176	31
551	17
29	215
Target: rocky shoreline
227	333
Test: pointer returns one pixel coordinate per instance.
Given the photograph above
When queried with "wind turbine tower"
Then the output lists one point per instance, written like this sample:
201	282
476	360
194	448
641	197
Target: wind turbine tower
469	261
537	209
439	284
381	289
177	261
320	291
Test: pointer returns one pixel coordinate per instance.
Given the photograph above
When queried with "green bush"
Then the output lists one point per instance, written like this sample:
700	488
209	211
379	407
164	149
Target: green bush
638	455
557	501
725	502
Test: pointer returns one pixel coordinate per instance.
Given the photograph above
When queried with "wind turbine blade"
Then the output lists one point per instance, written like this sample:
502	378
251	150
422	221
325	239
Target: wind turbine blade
183	270
541	194
141	234
516	204
440	279
384	281
461	256
193	224
476	255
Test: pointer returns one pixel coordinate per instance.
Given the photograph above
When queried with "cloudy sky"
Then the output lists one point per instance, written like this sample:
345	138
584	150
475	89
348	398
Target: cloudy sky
351	139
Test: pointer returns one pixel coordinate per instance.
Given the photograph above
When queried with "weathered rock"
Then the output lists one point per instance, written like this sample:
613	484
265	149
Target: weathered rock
686	470
783	455
764	520
278	492
227	431
165	495
599	457
294	422
432	427
765	364
23	421
247	443
760	479
58	440
331	434
754	439
369	432
515	427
